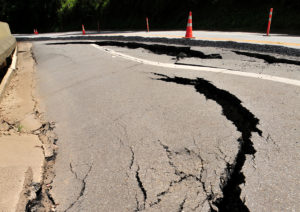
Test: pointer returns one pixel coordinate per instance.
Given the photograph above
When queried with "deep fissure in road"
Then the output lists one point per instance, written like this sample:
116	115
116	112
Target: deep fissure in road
175	51
269	59
245	122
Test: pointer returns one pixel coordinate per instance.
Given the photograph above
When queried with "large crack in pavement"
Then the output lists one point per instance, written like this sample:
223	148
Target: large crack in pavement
245	122
160	49
177	51
268	58
268	48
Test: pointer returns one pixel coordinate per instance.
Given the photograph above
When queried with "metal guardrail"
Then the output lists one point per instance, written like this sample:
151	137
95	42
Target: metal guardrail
7	43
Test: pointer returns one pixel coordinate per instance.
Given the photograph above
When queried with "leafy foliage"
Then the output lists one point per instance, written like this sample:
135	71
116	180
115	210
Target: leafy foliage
63	15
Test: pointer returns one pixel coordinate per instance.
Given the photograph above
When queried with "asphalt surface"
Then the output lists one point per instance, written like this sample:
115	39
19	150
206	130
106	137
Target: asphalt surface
240	37
136	137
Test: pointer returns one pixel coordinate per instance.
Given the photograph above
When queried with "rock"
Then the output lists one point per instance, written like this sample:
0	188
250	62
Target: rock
4	126
43	139
48	151
30	123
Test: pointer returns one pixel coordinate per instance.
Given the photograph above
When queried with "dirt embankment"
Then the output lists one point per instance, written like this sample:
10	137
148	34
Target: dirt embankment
27	142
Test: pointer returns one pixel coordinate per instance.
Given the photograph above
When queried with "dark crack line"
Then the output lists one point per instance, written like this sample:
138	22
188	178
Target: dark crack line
267	58
169	155
160	195
223	155
10	126
181	206
197	65
245	122
155	203
137	204
83	186
141	186
139	207
84	181
182	176
72	171
172	183
177	51
270	139
198	206
132	158
166	148
209	196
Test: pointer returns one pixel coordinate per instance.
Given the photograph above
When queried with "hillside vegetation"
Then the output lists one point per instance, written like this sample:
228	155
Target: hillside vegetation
65	15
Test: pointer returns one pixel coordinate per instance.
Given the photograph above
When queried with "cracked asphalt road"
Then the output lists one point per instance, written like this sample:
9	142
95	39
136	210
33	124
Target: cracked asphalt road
135	137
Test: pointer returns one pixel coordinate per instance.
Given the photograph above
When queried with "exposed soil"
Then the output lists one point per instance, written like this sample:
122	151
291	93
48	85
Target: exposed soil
20	115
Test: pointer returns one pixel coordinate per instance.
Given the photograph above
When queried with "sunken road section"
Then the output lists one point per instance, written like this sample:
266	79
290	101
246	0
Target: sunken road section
183	51
176	51
245	122
269	59
177	41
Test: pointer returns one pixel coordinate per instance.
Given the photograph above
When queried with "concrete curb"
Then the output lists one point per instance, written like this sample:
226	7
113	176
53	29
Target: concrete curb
7	42
11	70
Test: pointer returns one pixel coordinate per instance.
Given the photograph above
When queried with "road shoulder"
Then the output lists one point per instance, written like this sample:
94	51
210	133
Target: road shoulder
25	138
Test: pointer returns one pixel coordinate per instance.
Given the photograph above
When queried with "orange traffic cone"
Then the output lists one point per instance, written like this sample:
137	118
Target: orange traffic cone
83	30
189	28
